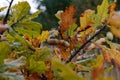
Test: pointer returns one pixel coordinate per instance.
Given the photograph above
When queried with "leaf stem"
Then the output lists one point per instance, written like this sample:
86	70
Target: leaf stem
7	14
98	32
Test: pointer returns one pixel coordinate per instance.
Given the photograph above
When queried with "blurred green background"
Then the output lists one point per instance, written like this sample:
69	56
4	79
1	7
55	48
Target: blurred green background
48	19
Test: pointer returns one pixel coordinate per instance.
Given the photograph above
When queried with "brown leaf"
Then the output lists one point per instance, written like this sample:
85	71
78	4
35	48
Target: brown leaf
115	56
115	31
35	76
111	54
67	19
98	70
112	7
33	41
65	53
106	54
73	42
49	72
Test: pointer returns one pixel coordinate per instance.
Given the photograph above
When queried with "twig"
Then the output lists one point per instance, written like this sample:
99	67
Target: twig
7	14
98	32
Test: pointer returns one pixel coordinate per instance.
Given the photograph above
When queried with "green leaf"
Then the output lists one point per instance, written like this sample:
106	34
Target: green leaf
20	39
23	31
71	29
65	71
98	61
71	65
19	11
30	17
4	51
31	25
109	68
38	58
43	54
102	13
31	28
36	66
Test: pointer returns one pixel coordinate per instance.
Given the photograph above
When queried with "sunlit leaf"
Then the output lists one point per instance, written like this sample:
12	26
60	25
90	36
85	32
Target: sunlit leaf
87	19
44	36
32	16
30	25
86	25
23	31
19	11
102	13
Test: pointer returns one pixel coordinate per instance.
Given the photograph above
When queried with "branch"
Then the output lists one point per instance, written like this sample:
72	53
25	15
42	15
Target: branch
98	32
7	14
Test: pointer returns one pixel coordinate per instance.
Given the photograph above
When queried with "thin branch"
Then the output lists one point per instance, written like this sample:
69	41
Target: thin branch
7	14
98	32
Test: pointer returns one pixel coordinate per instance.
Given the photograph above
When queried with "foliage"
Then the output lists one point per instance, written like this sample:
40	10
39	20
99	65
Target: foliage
30	53
47	17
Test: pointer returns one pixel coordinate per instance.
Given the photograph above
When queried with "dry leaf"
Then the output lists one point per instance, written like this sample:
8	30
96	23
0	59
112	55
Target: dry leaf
114	21
65	53
66	20
98	70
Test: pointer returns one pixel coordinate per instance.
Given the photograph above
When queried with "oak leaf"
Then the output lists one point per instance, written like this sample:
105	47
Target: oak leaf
98	69
67	19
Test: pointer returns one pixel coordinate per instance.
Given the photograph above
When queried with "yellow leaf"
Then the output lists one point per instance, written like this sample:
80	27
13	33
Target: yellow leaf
86	28
43	37
102	13
58	14
86	19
